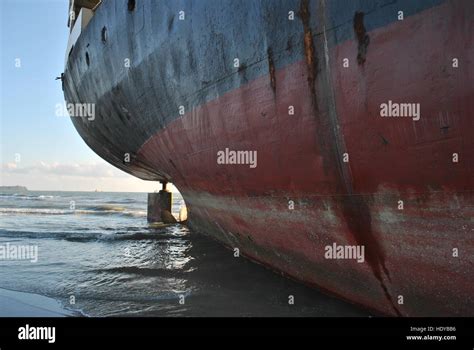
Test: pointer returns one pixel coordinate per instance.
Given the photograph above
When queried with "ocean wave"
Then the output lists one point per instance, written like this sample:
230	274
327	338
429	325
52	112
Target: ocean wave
27	197
72	236
89	236
123	201
95	211
145	271
38	211
157	235
106	207
47	197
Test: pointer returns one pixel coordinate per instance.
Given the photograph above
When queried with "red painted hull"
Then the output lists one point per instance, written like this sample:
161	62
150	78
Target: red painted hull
409	252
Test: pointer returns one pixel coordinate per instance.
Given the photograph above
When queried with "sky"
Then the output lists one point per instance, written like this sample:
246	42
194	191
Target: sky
38	149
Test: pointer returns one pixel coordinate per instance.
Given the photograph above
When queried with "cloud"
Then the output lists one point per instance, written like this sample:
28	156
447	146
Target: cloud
95	170
87	176
9	166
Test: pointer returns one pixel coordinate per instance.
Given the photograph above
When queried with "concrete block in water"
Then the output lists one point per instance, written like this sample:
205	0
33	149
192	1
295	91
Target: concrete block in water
159	205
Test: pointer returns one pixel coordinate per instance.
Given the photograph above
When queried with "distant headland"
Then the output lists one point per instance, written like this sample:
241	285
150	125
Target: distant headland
13	189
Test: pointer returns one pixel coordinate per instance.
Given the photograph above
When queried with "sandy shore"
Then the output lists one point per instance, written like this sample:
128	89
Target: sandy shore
20	304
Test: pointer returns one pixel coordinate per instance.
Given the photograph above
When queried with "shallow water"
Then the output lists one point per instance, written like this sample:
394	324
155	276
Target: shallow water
104	254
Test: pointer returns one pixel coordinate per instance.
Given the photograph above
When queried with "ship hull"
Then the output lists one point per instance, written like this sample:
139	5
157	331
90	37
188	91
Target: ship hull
330	170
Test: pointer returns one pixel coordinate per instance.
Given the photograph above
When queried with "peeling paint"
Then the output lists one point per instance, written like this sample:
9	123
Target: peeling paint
271	69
